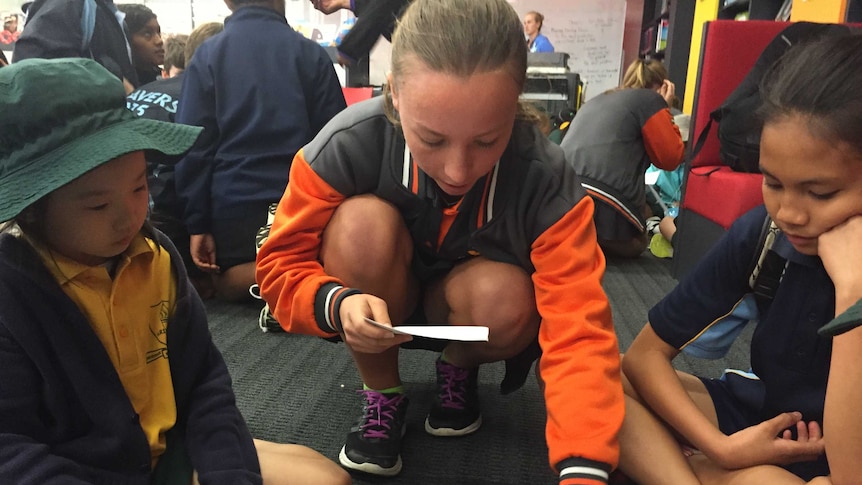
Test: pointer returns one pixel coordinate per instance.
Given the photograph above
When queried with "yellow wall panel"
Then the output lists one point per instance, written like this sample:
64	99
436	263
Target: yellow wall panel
819	10
704	11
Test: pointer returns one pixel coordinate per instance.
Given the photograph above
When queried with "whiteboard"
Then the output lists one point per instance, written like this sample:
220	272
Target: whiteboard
590	31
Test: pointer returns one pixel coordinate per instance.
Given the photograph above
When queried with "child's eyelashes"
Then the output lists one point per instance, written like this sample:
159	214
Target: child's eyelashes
432	143
440	143
775	186
823	196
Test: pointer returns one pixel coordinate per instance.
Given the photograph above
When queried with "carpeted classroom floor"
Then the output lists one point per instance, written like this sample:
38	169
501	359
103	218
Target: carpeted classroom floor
300	389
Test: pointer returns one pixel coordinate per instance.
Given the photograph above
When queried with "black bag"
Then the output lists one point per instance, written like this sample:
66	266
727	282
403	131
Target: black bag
739	126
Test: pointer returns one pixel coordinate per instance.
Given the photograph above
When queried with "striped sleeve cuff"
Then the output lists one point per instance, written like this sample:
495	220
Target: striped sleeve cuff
580	471
327	305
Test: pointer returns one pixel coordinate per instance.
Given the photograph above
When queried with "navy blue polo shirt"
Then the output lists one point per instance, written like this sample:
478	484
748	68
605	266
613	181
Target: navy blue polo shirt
787	353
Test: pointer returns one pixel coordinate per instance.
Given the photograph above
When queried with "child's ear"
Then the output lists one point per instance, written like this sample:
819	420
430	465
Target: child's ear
392	90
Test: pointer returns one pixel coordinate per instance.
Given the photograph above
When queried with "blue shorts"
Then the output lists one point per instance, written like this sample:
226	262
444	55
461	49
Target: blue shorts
738	399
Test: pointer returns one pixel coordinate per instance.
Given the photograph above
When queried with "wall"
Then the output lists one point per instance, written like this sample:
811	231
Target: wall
819	11
590	31
632	32
705	10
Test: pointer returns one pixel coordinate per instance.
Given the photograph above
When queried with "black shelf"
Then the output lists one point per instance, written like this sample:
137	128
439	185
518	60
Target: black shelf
679	16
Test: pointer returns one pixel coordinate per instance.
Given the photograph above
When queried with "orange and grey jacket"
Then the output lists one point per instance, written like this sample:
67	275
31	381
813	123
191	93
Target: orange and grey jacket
530	211
612	141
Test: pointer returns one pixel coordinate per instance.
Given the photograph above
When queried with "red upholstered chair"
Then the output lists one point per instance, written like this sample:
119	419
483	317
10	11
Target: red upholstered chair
714	196
355	95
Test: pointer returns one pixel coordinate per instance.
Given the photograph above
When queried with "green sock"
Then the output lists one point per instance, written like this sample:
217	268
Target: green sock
399	389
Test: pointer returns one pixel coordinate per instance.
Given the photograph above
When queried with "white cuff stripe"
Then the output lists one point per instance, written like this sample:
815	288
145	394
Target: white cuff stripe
584	470
327	306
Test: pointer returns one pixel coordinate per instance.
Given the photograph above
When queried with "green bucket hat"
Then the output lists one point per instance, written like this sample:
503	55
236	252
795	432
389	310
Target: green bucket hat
59	119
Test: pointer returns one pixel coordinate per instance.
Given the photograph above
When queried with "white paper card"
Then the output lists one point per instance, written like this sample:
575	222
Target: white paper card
472	333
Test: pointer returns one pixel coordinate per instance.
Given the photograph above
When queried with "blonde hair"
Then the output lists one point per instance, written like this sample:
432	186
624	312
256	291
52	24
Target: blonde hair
201	33
458	37
539	18
648	74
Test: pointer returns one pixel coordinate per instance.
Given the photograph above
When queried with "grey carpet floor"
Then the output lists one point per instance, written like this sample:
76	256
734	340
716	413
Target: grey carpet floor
300	389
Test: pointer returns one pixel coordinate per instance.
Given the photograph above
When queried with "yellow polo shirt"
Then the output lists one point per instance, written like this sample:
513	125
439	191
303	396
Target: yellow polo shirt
129	314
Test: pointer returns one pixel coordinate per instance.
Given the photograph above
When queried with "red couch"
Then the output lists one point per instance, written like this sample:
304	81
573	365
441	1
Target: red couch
713	195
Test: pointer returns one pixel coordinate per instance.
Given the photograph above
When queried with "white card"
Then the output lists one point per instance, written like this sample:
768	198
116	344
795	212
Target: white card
471	333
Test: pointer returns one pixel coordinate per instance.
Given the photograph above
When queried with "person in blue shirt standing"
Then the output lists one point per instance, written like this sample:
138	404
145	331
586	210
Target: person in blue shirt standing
536	42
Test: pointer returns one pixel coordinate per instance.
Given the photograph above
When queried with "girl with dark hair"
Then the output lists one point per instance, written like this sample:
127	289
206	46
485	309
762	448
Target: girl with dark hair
767	425
145	40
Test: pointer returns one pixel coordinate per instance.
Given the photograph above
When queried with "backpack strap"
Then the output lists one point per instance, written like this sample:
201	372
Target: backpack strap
767	266
88	25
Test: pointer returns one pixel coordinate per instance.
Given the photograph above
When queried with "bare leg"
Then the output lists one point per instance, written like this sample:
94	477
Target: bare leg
289	464
649	452
710	473
483	292
366	245
233	284
667	227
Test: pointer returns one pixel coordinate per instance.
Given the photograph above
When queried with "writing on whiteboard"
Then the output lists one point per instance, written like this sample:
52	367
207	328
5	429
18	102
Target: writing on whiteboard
591	32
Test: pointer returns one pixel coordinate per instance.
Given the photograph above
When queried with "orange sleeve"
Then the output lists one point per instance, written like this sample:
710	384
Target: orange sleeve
663	141
580	363
289	271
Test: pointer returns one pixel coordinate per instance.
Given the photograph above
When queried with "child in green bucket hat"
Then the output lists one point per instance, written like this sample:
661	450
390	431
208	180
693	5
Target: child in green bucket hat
107	368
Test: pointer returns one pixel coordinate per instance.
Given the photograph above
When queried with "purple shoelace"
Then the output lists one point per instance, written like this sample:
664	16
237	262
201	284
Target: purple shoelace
379	413
453	389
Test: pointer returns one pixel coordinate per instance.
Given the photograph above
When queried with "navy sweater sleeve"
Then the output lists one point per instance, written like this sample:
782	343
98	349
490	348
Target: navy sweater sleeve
216	436
194	171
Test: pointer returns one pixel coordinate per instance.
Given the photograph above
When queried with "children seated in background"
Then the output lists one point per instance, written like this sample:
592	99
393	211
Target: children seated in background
409	208
663	199
612	141
145	40
107	368
261	91
158	100
175	55
767	426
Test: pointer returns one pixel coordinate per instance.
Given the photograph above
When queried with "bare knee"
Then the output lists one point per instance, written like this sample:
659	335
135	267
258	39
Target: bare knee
497	295
365	234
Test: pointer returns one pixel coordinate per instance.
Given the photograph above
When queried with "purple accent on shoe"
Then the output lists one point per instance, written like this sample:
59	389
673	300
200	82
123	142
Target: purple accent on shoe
380	412
453	389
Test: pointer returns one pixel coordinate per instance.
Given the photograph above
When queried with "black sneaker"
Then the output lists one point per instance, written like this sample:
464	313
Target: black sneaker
456	408
374	444
267	322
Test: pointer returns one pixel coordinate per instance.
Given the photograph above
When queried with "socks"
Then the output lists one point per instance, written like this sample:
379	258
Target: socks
399	389
652	225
